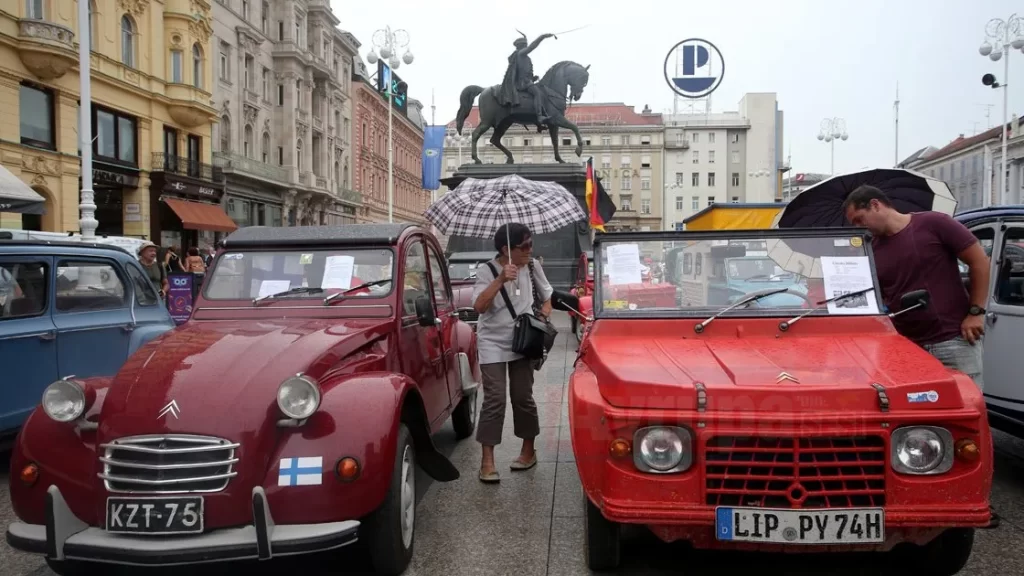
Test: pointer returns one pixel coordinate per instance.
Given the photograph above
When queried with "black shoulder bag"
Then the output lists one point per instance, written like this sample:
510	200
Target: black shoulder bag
532	336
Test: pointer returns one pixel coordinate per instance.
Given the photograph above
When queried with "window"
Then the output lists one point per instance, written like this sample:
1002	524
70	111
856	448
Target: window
626	161
1009	288
280	155
247	141
195	156
170	146
735	137
645	161
695	179
680	137
527	159
696	157
627	182
23	289
695	203
280	30
110	294
298	154
735	159
265	148
127	41
645	182
145	294
735	178
414	282
606	162
176	64
711	200
566	141
697	264
735	199
265	90
265	17
280	94
34	9
711	137
645	205
606	140
225	134
249	72
441	299
711	156
627	203
679	202
527	142
197	66
624	139
645	140
711	179
115	137
679	178
225	72
694	137
36	117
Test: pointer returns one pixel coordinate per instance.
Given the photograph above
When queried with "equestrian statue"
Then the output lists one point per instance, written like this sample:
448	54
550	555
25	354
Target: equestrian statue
522	98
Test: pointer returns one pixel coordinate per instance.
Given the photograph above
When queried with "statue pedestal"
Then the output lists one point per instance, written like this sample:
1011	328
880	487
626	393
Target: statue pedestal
560	249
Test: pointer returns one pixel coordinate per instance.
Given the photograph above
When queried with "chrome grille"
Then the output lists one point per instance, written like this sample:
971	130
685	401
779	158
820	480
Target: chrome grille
168	464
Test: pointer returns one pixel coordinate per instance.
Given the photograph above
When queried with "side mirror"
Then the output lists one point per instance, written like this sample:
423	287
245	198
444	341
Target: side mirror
425	312
913	300
565	301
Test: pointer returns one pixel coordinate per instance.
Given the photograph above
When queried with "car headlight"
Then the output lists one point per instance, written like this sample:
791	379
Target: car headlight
64	400
298	397
662	449
922	450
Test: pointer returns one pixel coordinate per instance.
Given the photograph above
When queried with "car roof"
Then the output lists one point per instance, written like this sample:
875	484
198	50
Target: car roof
990	212
346	234
474	256
64	247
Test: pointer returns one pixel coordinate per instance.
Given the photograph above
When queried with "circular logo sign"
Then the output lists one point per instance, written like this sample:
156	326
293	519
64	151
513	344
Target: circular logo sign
431	152
694	68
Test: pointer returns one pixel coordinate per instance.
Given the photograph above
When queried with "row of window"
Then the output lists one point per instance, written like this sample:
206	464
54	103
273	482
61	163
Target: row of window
695	137
695	202
621	140
695	179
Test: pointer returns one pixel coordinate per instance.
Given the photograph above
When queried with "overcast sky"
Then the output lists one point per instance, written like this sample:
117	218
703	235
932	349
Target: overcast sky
823	58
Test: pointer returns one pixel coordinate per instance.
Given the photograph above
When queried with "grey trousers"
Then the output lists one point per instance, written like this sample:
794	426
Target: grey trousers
959	354
520	389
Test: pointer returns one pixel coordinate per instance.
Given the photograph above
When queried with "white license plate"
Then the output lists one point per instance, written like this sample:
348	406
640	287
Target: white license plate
780	526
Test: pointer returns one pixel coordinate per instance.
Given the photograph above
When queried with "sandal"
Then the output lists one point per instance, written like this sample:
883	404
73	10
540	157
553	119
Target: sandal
490	477
518	465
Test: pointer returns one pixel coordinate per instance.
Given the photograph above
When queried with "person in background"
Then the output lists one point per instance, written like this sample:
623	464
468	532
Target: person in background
156	271
208	253
172	263
516	271
194	262
920	251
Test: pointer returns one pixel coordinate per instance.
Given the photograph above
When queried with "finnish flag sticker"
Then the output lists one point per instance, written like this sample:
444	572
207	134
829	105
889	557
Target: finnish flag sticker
306	471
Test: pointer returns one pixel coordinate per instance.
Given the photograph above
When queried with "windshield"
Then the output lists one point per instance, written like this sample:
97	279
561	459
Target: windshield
245	275
462	270
710	275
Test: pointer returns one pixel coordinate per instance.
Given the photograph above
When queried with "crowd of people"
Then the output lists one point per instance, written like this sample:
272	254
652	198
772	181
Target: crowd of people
196	262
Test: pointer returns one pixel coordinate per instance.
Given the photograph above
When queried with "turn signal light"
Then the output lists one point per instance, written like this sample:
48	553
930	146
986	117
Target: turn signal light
967	450
29	474
619	448
347	469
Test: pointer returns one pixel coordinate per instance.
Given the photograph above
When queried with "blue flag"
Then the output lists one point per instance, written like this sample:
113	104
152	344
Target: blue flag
433	145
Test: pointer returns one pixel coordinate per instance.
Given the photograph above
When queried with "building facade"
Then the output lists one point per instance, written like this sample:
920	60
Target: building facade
370	135
797	183
283	95
723	157
627	148
151	114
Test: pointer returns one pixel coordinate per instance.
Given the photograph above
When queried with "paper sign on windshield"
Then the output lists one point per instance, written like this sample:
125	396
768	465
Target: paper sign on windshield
268	287
623	264
846	274
338	272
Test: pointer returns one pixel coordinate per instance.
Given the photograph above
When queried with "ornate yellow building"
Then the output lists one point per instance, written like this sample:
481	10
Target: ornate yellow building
151	78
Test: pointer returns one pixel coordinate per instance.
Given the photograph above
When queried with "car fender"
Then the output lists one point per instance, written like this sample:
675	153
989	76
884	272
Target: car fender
64	452
143	333
358	418
466	338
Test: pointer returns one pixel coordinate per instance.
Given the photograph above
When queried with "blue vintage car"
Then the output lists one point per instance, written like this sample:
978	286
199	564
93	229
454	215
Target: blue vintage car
746	274
68	308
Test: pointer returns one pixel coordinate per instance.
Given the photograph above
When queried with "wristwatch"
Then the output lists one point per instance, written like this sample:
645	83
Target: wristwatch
975	311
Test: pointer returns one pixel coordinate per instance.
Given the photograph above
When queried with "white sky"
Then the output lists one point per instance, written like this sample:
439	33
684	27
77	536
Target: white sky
823	58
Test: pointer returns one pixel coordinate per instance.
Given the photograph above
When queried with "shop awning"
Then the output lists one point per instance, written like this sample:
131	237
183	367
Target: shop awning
199	216
16	196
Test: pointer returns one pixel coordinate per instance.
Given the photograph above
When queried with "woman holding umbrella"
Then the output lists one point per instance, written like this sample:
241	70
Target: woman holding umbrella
495	328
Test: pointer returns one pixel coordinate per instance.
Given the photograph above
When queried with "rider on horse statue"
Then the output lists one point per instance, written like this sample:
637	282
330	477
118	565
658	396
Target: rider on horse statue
519	78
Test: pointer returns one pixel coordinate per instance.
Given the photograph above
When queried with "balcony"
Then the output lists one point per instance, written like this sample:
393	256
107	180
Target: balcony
289	49
237	164
303	116
183	166
318	123
189	106
46	49
321	68
677	145
350	196
321	183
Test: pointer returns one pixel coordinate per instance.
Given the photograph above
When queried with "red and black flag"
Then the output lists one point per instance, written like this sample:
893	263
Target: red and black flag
600	207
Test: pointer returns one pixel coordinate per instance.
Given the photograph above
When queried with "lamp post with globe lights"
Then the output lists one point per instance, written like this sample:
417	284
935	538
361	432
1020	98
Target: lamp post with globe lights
833	129
386	45
1000	36
458	140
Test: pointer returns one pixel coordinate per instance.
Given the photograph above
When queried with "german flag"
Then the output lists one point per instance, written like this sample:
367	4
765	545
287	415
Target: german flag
599	204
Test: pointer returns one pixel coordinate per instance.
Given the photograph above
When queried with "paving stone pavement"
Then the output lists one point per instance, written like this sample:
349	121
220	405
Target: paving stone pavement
531	524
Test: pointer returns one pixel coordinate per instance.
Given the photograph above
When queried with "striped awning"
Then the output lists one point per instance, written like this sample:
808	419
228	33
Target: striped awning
16	196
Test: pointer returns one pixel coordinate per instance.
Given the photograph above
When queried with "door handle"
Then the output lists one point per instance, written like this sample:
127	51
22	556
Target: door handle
128	327
991	317
48	336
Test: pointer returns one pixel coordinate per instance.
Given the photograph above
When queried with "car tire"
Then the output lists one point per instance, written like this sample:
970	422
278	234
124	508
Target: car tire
602	539
465	415
579	329
946	555
389	545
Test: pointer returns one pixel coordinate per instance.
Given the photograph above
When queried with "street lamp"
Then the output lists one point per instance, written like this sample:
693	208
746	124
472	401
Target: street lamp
386	44
833	129
1004	34
458	140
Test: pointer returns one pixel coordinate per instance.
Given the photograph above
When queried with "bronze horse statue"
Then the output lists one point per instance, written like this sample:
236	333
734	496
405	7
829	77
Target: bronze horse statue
557	80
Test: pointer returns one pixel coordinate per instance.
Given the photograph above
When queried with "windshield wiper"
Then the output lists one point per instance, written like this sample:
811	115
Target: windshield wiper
343	293
296	290
752	298
785	324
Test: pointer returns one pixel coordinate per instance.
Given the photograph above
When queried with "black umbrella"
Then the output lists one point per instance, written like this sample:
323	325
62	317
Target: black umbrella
16	196
821	205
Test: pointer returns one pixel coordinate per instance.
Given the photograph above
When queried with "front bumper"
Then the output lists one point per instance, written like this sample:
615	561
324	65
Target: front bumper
65	537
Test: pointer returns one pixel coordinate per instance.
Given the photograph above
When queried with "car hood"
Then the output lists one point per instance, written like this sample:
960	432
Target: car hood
222	376
766	373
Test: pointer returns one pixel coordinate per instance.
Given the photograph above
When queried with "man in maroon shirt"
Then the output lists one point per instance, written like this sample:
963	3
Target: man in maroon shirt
920	251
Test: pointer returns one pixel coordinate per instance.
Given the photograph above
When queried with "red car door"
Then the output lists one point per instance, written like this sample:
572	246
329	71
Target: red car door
445	306
420	346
